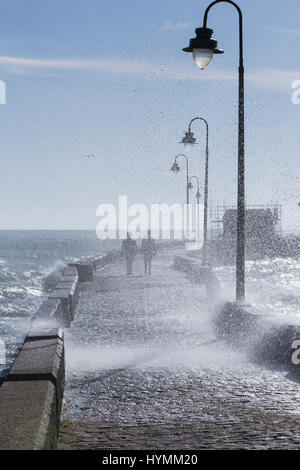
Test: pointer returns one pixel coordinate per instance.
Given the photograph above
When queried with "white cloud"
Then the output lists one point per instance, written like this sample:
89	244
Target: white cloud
272	79
70	64
149	69
285	31
169	26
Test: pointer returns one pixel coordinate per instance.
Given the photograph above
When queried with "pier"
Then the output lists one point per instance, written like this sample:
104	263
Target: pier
150	362
146	370
150	229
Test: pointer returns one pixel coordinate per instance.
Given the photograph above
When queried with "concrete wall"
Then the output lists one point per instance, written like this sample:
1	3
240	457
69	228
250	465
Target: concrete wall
263	339
107	258
31	395
199	274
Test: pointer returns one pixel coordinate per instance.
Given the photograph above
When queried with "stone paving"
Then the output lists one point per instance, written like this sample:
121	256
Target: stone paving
146	371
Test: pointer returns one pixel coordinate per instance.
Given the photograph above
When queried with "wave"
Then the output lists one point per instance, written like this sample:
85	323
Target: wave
52	275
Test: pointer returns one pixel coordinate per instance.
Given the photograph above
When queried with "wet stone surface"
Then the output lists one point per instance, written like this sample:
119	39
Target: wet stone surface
146	371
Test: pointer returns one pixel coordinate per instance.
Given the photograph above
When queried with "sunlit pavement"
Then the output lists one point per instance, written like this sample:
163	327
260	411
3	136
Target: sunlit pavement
145	371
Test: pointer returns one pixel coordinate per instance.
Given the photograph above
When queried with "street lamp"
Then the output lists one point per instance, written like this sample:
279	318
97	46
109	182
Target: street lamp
175	170
203	47
198	196
189	141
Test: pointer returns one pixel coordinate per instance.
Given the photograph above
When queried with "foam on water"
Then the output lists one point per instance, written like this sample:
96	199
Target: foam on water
272	285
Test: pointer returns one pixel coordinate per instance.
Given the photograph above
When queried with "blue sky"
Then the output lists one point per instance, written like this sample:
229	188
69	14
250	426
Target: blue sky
111	79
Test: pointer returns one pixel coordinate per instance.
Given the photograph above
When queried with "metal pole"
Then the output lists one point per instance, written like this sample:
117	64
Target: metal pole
198	205
198	219
205	222
240	246
187	190
187	201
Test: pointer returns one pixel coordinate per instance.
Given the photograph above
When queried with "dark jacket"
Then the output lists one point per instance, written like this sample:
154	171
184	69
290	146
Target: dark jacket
129	248
148	247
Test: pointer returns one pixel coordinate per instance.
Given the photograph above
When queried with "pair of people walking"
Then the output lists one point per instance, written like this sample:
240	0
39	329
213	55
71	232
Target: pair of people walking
130	249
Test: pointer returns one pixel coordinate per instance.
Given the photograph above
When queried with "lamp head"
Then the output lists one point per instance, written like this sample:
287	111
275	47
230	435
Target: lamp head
189	141
175	168
203	47
190	185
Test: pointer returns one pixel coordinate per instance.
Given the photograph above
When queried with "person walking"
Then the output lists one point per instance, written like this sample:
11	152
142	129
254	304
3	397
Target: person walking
129	249
148	250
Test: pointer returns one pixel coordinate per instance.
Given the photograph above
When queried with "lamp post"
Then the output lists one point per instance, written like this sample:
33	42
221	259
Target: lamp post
198	196
203	47
176	169
189	141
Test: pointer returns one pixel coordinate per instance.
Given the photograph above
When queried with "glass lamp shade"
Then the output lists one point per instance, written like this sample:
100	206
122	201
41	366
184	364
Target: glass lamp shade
188	147
202	57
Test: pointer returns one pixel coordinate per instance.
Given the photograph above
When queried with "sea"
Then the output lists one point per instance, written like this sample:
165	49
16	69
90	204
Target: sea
31	263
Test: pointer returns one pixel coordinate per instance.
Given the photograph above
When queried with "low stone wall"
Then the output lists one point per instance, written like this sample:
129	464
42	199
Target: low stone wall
85	270
242	326
260	337
32	393
108	258
199	274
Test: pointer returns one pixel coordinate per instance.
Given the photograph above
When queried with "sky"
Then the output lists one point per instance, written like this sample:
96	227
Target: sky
110	78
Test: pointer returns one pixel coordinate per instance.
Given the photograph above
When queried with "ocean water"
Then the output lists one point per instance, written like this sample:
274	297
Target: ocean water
272	286
30	266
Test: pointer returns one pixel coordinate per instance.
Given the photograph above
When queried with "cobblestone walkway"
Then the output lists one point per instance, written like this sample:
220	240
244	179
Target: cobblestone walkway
145	371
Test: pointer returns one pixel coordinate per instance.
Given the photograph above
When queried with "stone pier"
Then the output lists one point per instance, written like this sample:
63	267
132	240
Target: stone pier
145	370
